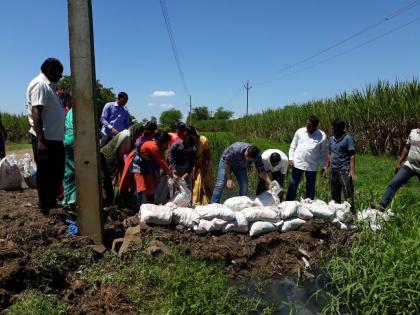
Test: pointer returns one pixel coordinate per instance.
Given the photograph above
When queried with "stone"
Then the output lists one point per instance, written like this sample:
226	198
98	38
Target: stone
156	248
127	242
99	248
116	244
135	230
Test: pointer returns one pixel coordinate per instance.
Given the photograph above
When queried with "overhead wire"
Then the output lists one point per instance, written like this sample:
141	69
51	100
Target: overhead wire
350	37
173	44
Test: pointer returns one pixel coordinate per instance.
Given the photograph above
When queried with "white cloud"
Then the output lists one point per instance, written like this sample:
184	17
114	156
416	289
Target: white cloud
150	104
167	106
163	93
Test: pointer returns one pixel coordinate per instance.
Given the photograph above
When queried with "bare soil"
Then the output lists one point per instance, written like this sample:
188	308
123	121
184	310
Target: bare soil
25	232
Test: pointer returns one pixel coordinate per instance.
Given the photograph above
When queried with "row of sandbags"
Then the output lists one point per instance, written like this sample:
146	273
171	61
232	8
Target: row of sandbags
243	215
12	172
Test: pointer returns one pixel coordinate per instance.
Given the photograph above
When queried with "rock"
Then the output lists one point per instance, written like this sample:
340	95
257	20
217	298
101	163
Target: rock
116	244
130	240
131	221
135	230
158	248
99	248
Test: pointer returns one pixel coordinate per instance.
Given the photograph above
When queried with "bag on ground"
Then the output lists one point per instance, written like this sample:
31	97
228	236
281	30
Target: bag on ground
318	208
304	213
344	226
261	227
205	226
10	176
180	195
292	224
269	197
239	225
215	210
288	209
261	214
185	216
28	170
342	211
375	218
155	214
239	203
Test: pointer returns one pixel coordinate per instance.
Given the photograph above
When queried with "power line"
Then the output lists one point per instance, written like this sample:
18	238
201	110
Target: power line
348	38
346	51
173	44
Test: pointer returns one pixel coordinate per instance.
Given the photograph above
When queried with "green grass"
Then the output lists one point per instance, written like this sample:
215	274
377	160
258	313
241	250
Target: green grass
32	302
178	285
17	146
380	271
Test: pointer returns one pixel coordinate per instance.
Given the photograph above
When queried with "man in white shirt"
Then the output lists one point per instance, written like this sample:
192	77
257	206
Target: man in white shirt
276	163
46	116
308	149
403	173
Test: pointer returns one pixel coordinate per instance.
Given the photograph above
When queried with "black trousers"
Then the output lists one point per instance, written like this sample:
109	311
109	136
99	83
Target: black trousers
103	140
278	176
107	183
342	183
50	173
2	148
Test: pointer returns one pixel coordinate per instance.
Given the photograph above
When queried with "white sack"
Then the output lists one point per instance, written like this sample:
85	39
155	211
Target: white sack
10	176
205	226
269	197
288	209
239	225
292	224
318	208
343	226
28	170
180	195
154	214
239	203
261	214
215	210
342	211
261	227
304	213
375	218
185	216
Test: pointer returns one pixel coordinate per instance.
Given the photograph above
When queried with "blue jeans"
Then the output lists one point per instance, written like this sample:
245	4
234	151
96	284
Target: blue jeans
402	177
295	180
240	174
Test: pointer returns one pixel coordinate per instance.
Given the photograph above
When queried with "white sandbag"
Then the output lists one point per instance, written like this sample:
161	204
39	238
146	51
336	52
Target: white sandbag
239	225
304	213
288	209
239	203
10	176
269	197
28	170
344	226
205	226
261	227
261	214
342	211
155	214
375	218
318	208
180	195
215	210
185	216
292	224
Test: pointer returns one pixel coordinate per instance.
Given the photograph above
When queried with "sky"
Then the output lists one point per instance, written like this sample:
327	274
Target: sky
221	44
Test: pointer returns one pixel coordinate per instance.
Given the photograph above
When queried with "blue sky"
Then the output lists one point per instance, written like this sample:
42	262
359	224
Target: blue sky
221	44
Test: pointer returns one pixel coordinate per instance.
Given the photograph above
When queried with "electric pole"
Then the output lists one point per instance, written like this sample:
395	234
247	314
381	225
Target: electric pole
247	87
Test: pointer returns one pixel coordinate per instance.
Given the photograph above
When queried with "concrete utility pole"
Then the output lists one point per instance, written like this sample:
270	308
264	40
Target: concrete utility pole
190	112
86	148
247	87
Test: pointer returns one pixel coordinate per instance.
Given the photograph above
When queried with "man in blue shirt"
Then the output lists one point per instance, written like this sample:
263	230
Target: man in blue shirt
342	163
115	118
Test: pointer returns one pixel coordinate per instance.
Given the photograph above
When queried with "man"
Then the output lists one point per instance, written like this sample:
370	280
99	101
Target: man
236	159
115	118
342	163
275	162
411	167
182	159
46	118
179	134
309	147
3	138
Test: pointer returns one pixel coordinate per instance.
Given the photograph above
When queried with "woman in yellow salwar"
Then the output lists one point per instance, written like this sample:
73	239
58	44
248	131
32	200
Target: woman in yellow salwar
203	177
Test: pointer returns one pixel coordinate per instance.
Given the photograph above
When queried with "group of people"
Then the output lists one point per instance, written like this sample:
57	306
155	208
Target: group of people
137	158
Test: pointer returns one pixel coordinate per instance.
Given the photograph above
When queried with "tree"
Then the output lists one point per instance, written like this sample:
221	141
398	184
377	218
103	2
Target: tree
170	117
223	114
199	113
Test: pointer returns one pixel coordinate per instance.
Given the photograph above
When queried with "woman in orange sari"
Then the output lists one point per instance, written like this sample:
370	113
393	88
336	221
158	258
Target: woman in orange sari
203	175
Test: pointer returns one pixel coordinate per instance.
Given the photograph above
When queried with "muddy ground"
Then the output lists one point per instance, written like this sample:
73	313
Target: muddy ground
25	233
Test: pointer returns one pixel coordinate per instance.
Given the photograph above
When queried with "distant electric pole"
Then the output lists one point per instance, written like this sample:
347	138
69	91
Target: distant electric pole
190	111
247	87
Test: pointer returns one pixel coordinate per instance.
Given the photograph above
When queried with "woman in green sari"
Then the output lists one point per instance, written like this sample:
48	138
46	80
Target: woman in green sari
69	178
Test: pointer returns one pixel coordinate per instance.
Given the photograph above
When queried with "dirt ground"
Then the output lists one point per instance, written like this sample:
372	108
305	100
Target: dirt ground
24	231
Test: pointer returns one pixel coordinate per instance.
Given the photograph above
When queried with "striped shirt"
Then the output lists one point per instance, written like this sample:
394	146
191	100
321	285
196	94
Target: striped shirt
413	159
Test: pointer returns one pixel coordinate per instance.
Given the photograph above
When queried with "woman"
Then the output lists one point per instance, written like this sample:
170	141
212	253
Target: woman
203	175
112	159
69	177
